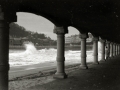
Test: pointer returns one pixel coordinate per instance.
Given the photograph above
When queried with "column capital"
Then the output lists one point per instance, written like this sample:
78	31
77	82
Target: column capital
60	30
83	35
7	15
102	40
108	42
111	43
1	15
95	38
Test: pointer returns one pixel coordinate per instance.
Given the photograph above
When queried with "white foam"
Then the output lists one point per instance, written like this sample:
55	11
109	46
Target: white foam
33	56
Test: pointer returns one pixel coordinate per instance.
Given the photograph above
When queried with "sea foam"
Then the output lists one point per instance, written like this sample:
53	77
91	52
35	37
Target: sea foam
33	56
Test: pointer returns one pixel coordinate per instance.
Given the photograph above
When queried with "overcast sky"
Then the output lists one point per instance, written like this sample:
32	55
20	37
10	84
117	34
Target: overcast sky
39	24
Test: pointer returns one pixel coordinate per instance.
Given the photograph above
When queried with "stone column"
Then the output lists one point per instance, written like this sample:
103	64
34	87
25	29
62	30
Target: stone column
115	50
5	19
60	31
95	49
4	51
83	37
118	49
4	43
108	50
111	50
102	49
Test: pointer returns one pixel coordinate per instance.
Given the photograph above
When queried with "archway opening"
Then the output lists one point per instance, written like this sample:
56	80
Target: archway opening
72	38
72	46
31	40
73	41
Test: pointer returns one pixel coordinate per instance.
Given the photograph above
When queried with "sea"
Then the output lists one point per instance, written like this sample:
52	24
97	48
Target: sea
31	55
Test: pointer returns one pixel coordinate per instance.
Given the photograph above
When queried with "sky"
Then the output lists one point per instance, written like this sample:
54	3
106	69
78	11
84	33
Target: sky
40	24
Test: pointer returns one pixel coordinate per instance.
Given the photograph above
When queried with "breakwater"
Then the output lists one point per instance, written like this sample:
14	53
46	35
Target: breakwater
37	47
75	47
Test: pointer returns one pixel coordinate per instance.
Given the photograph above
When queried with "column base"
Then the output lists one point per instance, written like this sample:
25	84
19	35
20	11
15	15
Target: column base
60	76
83	66
103	60
109	57
112	57
95	63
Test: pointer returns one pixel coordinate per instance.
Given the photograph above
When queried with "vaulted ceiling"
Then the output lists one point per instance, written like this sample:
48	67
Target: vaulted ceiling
101	17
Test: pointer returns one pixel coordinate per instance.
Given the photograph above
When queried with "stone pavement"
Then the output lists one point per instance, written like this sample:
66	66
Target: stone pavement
105	76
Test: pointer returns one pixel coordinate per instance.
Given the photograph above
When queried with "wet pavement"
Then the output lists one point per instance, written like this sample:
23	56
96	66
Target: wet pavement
105	76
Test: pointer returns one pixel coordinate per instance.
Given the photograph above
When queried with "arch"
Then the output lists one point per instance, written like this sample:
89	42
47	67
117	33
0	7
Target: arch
72	37
42	8
34	16
41	15
40	11
41	25
70	28
80	29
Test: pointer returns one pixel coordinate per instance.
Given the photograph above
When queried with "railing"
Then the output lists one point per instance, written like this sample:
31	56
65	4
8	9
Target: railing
38	47
75	47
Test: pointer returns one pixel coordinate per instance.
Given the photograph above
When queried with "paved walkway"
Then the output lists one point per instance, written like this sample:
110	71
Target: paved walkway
105	76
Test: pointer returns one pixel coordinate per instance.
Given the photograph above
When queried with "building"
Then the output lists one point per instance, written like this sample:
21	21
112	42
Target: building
21	41
17	41
75	39
67	40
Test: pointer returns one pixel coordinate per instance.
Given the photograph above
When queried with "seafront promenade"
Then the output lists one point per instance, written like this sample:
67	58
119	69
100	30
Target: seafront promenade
37	47
47	47
105	76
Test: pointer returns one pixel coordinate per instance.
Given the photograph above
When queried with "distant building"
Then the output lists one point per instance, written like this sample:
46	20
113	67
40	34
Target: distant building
89	40
67	40
75	39
20	41
17	41
72	39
